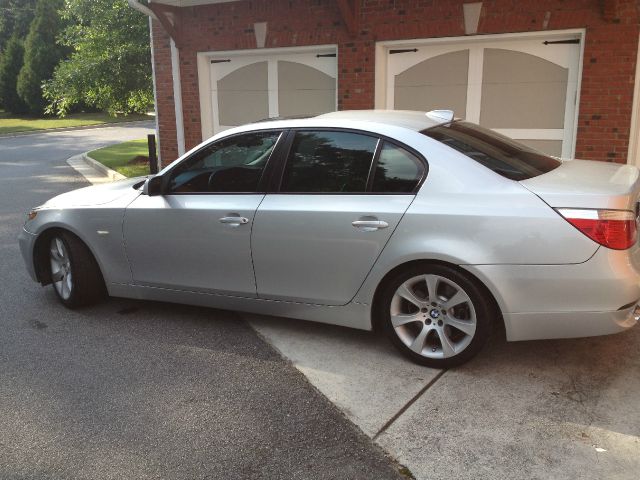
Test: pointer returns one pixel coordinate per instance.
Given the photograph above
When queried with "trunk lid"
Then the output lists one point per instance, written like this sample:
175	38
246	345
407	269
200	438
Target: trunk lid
588	184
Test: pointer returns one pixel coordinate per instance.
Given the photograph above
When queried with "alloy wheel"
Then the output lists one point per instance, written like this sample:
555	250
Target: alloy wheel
61	275
433	316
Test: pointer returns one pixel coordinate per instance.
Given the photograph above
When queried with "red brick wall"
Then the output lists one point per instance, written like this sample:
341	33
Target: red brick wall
609	58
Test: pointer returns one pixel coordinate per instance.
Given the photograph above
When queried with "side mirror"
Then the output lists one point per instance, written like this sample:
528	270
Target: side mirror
152	186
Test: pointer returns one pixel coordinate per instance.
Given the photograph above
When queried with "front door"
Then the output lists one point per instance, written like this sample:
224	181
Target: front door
197	236
341	197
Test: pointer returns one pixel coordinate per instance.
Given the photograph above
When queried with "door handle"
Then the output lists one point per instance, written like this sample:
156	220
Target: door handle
234	220
370	225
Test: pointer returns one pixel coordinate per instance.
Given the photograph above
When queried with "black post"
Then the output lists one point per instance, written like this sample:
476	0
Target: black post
153	156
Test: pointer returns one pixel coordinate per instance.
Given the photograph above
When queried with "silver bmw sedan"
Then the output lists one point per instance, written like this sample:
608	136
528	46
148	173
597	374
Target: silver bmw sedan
431	229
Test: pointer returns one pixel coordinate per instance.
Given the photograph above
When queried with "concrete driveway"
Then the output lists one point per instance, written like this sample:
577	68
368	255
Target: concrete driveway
565	409
146	390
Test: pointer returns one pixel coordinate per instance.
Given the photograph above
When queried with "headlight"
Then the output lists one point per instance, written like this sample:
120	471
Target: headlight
31	215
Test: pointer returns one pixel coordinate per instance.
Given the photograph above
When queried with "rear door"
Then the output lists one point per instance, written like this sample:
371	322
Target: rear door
341	196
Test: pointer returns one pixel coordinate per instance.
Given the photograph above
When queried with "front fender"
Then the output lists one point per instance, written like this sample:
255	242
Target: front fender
100	229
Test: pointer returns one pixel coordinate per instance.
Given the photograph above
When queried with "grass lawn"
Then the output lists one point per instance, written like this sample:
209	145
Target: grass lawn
125	158
10	123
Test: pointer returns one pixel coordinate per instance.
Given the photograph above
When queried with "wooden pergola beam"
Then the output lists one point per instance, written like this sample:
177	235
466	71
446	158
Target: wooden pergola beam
171	19
350	11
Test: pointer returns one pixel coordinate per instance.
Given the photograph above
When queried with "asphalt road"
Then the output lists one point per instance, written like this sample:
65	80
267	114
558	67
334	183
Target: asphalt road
143	390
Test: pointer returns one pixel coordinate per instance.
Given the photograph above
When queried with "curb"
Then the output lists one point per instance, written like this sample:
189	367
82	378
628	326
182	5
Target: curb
88	168
71	129
106	171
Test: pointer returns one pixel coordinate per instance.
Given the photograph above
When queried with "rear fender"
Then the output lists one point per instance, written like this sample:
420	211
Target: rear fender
479	227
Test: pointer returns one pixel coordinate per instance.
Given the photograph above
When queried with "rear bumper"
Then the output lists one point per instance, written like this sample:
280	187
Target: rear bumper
538	326
26	241
596	297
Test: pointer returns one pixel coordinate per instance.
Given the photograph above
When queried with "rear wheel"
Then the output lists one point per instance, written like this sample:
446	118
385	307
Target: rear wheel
75	275
435	315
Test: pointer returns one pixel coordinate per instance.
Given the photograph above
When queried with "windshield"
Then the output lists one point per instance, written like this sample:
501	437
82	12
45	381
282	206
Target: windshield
504	156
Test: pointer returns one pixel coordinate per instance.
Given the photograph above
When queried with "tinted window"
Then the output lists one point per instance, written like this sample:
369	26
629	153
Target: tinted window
330	162
497	152
231	165
397	170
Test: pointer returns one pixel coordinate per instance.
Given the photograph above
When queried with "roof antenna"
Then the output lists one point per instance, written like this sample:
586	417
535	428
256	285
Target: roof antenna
440	115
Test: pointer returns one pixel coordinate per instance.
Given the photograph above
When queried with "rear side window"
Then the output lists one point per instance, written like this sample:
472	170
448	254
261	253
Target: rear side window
328	162
396	171
504	156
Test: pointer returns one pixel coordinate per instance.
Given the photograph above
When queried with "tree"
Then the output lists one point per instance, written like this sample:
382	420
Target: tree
15	17
41	54
10	65
110	68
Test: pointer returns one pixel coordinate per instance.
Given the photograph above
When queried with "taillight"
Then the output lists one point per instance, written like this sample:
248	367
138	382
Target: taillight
614	229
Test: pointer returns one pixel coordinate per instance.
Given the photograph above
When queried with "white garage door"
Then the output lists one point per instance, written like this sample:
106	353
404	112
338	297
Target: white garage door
525	87
247	88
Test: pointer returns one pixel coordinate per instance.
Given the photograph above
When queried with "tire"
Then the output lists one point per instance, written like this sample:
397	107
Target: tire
439	331
75	275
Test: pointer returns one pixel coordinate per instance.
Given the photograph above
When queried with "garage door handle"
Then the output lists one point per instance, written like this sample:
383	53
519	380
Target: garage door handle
234	220
369	225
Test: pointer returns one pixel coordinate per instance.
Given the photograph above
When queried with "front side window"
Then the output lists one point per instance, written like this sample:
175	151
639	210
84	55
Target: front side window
328	162
233	165
504	156
397	170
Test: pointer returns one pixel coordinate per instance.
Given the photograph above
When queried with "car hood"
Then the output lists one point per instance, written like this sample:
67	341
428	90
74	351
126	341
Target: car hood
95	195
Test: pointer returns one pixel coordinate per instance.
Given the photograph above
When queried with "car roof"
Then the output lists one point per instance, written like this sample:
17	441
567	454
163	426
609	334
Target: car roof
412	120
408	119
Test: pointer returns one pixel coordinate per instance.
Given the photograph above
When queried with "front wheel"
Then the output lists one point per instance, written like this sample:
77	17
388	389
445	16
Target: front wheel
435	315
75	275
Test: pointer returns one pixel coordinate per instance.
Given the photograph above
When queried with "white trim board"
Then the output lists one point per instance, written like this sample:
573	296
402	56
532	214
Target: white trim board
416	42
177	97
633	154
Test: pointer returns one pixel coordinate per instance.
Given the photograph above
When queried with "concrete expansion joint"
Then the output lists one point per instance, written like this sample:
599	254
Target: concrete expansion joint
407	405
